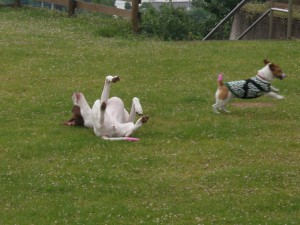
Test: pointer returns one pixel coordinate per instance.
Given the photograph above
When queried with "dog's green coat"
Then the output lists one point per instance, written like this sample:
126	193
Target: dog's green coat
249	88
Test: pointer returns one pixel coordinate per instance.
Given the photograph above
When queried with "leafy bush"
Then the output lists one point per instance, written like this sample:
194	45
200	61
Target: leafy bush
127	5
171	23
174	23
112	27
219	8
202	22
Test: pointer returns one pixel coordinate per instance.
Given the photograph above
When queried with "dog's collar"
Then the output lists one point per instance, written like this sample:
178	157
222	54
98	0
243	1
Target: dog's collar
262	78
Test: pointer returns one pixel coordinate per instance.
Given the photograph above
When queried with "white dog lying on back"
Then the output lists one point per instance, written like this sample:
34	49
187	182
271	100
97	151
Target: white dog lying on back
108	116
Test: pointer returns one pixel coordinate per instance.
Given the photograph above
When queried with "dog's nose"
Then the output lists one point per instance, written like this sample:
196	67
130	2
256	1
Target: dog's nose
283	76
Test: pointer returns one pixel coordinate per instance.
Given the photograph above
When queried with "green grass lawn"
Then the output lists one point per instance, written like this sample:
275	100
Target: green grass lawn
190	166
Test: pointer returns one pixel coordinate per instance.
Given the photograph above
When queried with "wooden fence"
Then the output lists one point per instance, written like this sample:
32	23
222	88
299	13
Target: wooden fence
71	5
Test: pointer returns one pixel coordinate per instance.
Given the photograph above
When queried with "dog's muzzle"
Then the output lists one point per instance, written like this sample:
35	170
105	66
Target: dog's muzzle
282	76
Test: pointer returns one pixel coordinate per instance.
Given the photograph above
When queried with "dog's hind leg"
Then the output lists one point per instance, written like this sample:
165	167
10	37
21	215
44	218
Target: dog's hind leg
136	108
102	113
221	105
223	108
223	96
216	107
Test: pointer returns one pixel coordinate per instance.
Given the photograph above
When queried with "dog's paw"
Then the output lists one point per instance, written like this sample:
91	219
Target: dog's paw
225	110
144	119
76	97
137	106
115	79
215	109
112	79
70	122
280	97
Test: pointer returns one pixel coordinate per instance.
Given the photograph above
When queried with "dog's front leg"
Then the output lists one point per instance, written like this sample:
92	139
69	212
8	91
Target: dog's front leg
137	125
106	89
102	113
274	89
274	95
99	118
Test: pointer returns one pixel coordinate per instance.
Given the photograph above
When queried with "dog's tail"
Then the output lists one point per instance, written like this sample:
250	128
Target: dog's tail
220	80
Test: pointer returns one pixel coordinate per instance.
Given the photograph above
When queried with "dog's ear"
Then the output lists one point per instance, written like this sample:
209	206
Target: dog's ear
70	122
272	66
266	61
77	119
76	110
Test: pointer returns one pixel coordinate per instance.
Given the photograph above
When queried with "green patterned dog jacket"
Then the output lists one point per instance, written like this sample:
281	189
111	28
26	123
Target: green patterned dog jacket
250	88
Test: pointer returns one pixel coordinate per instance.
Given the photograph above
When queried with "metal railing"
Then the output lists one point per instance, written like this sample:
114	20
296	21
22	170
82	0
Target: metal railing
269	11
240	5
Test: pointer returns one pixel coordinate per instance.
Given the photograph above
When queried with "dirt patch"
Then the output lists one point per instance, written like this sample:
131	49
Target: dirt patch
252	104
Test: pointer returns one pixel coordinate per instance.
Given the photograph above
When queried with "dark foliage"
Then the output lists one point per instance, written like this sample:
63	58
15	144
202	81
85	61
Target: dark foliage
171	23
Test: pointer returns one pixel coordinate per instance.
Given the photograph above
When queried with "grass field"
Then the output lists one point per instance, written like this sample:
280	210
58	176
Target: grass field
190	166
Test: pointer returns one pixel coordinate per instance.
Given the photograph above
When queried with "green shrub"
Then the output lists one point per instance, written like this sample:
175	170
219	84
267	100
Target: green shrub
174	23
202	22
113	27
127	5
171	23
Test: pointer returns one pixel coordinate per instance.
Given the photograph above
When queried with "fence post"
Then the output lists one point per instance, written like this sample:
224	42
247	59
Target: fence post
290	20
17	3
71	7
271	19
135	15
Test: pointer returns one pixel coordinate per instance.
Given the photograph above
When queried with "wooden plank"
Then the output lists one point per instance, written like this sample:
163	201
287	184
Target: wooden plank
295	2
56	2
91	7
285	5
7	5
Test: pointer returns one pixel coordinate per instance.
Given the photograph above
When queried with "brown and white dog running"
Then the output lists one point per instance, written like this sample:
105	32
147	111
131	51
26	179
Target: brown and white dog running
108	116
250	88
